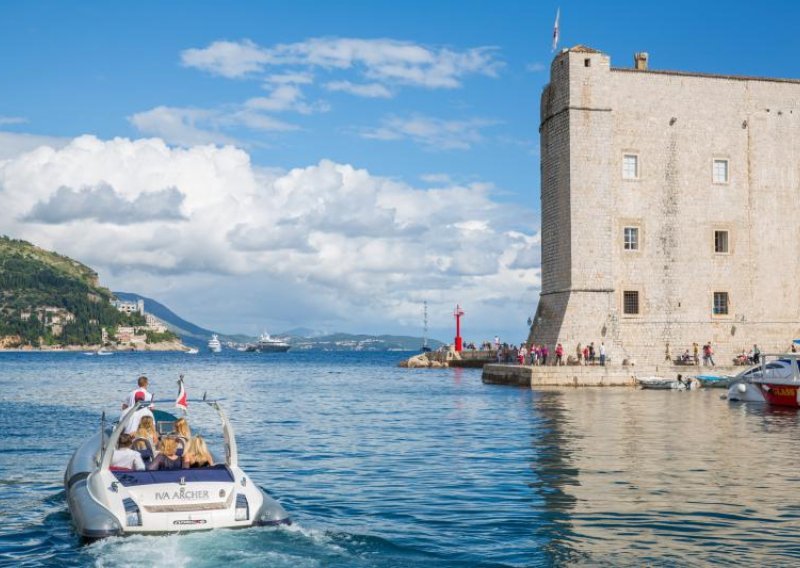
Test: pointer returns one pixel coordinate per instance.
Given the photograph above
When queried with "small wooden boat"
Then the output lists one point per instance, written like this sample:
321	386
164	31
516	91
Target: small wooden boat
714	381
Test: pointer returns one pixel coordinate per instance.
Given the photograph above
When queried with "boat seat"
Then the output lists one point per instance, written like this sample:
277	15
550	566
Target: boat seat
215	473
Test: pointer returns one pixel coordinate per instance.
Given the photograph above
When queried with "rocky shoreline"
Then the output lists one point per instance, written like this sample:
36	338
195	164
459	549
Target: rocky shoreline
164	346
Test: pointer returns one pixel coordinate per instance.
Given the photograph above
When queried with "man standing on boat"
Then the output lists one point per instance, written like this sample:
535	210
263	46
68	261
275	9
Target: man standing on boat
141	390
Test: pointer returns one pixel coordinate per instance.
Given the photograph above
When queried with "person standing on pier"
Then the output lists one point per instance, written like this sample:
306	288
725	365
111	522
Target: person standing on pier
602	354
545	353
696	349
559	355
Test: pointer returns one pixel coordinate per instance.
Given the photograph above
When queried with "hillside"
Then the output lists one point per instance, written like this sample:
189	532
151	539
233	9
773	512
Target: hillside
47	299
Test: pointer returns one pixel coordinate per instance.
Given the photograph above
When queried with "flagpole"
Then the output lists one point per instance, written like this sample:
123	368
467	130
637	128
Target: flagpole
555	29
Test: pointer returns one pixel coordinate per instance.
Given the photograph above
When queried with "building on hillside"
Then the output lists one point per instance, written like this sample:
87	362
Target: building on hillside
670	209
130	307
155	324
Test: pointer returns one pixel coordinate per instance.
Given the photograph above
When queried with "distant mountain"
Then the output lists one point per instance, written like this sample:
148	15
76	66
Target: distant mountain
175	323
351	342
299	338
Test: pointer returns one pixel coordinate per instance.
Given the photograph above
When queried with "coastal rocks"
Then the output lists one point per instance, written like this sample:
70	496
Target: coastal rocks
429	360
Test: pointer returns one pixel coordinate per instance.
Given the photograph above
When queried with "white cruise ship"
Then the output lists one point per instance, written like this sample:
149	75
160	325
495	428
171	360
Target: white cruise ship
214	345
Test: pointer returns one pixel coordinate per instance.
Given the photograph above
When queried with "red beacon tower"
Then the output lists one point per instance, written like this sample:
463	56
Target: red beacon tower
457	313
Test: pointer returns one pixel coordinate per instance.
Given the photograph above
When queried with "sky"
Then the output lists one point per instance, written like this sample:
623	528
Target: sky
272	165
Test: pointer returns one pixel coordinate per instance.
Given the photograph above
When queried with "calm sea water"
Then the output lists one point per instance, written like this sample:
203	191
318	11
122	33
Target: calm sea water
381	466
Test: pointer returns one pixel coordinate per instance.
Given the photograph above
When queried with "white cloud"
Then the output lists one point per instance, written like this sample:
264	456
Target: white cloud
6	120
434	133
290	78
535	67
383	60
13	143
227	58
285	97
191	126
369	90
338	244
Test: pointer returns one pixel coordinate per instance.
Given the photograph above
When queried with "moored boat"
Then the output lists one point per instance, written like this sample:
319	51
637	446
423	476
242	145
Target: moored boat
106	501
779	379
267	344
663	383
714	381
214	344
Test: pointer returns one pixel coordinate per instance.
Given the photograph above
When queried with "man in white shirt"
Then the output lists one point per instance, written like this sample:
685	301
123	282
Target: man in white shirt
133	423
142	388
125	457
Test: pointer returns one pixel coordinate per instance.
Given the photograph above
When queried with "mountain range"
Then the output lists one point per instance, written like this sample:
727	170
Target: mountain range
298	338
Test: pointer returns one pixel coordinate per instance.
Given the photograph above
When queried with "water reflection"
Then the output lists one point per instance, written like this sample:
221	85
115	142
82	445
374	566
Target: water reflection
630	477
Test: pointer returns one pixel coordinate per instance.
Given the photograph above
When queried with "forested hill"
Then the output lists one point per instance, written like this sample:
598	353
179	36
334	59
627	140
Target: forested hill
47	298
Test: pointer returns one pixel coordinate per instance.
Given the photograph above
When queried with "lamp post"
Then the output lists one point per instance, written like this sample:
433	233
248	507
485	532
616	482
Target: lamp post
457	313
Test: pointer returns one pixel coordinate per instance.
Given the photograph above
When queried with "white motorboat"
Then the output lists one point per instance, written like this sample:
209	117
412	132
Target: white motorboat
192	351
105	501
663	383
214	344
744	389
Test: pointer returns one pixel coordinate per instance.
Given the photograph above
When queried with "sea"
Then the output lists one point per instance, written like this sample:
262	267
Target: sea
389	467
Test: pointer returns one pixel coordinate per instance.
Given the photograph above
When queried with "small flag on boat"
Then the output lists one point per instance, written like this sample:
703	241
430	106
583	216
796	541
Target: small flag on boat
181	401
555	30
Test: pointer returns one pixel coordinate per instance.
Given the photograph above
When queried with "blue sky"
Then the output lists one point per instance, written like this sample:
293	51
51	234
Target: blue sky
461	129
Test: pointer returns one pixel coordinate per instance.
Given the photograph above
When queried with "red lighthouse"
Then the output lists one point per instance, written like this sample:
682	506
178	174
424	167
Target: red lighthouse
457	313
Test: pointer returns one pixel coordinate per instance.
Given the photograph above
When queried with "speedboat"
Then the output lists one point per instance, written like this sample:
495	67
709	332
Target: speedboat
753	384
779	380
105	501
214	345
192	351
663	383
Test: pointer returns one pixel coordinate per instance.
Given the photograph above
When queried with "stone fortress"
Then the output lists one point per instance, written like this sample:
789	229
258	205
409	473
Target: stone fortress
670	210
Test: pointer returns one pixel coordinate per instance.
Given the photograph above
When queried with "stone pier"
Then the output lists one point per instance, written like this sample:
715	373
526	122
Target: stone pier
588	376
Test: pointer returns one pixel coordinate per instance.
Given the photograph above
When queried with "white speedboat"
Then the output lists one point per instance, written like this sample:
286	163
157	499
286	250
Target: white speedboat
214	344
192	351
105	501
776	380
663	383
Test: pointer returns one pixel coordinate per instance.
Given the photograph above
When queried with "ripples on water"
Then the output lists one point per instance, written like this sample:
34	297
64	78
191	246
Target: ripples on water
381	466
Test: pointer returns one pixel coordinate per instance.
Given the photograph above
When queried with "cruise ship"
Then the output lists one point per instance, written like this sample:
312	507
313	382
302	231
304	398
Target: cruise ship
267	344
214	345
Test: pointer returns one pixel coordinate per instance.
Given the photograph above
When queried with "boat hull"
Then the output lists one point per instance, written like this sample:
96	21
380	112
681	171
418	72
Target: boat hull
779	394
100	501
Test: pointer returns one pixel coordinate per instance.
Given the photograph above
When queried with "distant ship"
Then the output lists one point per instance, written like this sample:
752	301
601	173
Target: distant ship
214	345
267	344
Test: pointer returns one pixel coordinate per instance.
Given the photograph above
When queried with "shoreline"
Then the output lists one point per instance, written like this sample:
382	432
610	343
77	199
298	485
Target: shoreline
166	347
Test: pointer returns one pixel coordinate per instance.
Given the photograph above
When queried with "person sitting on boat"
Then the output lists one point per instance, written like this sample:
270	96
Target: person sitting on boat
183	434
197	454
146	431
124	457
168	458
144	412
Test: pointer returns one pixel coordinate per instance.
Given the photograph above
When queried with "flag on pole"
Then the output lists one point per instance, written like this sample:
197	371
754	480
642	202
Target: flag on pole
555	29
181	401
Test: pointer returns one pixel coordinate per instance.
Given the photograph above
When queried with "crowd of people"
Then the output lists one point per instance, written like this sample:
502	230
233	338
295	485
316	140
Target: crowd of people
540	354
141	447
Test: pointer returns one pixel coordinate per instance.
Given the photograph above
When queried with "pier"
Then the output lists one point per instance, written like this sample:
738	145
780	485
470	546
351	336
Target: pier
588	375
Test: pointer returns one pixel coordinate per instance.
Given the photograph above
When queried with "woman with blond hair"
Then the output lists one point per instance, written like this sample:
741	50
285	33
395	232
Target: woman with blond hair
197	454
147	430
182	429
168	458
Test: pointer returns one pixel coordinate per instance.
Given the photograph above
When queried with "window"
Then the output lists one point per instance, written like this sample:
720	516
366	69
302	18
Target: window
720	171
587	62
630	166
720	303
721	241
631	238
630	302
